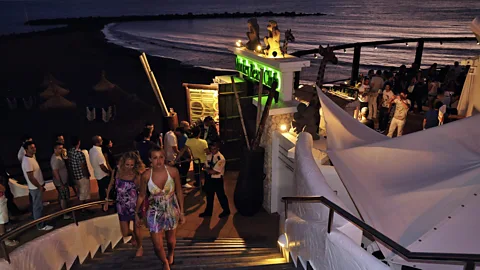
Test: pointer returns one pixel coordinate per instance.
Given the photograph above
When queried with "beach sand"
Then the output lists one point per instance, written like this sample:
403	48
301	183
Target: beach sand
76	57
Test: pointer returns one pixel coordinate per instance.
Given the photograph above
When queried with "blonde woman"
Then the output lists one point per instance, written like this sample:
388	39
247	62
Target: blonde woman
126	178
165	204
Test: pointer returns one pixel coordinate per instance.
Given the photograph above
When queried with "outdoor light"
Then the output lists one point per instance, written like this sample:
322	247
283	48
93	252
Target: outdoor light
282	240
406	43
344	50
259	48
283	127
238	43
315	56
376	47
478	43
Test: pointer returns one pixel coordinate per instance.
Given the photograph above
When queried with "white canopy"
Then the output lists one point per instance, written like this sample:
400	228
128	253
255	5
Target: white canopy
420	189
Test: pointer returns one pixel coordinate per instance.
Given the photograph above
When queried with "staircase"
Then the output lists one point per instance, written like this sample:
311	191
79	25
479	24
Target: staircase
220	253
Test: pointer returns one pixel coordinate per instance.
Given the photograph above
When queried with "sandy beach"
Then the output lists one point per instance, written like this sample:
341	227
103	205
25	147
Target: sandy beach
76	57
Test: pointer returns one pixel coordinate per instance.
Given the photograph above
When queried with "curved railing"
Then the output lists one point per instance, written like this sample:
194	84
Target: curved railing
43	219
467	259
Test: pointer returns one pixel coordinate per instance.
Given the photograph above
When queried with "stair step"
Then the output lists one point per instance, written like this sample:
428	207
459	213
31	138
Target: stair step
200	254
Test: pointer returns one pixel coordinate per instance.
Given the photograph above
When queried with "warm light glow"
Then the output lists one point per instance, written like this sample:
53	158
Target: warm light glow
376	47
238	43
259	48
346	82
282	240
315	55
283	127
300	86
478	43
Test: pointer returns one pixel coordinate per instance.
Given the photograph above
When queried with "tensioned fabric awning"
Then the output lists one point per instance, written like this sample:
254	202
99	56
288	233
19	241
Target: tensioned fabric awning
422	190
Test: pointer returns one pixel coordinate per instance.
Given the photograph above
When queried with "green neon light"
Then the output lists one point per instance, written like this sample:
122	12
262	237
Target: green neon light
252	69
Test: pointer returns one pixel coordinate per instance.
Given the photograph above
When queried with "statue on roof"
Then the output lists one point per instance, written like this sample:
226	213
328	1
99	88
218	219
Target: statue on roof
272	41
253	34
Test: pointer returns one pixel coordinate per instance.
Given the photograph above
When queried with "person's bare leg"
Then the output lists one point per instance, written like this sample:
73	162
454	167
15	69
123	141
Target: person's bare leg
157	239
171	243
124	228
137	231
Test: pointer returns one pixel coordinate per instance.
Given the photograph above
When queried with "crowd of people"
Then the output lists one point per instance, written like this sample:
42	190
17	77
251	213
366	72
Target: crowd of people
390	96
147	184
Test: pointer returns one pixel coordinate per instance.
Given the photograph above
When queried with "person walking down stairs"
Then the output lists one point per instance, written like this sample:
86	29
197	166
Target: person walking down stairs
165	209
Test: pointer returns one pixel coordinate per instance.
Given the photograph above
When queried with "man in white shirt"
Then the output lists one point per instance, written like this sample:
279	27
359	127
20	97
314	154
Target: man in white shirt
376	83
171	147
215	169
383	117
99	165
21	151
363	93
402	105
33	175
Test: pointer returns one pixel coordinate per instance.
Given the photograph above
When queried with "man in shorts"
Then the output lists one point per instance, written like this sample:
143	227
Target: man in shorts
60	176
78	165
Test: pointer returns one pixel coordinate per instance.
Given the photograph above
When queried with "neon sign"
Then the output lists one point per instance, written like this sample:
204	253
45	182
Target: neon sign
252	69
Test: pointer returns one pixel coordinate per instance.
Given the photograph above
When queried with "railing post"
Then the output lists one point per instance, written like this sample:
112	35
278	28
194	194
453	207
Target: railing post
419	53
469	266
74	218
330	219
5	252
355	65
286	208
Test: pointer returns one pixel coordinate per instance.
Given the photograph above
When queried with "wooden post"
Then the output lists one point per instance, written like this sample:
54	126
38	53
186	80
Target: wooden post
355	65
419	52
263	121
237	99
259	103
154	84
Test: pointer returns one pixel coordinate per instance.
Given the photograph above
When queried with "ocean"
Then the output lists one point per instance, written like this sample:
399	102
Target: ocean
206	42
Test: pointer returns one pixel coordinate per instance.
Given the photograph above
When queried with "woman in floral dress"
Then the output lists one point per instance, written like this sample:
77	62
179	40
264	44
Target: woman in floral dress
126	178
165	204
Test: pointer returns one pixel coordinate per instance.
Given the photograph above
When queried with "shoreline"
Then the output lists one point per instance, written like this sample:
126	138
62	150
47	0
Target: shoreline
161	17
76	56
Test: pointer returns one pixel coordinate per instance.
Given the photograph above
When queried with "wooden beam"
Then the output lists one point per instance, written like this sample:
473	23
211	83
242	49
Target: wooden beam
355	65
419	53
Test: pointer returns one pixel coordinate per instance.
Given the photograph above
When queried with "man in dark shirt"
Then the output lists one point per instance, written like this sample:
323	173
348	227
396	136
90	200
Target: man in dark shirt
431	117
144	146
208	131
154	138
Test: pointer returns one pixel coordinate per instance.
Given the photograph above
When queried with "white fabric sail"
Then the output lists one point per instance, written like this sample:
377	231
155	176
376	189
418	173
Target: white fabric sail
420	189
344	131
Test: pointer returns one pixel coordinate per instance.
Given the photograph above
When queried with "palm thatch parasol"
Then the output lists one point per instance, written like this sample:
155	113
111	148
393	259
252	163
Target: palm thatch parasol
48	79
54	90
104	84
58	102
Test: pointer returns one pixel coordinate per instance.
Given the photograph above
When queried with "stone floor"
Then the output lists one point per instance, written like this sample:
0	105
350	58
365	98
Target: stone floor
262	226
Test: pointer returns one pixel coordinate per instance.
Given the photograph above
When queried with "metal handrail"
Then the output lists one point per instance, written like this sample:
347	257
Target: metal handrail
42	219
467	259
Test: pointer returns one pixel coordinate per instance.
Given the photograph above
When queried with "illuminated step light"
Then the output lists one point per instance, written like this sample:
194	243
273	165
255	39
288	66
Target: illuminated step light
315	56
376	47
282	240
259	48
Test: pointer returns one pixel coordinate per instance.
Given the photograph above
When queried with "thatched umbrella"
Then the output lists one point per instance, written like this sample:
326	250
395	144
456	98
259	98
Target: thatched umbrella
58	102
48	79
104	84
54	90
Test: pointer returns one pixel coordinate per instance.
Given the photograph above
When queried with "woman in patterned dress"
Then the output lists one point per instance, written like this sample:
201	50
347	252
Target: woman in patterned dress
161	186
126	178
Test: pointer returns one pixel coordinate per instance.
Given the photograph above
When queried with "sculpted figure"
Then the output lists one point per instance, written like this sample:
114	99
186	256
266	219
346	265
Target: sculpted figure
272	41
253	34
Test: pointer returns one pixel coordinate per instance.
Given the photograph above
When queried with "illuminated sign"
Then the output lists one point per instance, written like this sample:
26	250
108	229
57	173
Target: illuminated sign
252	69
